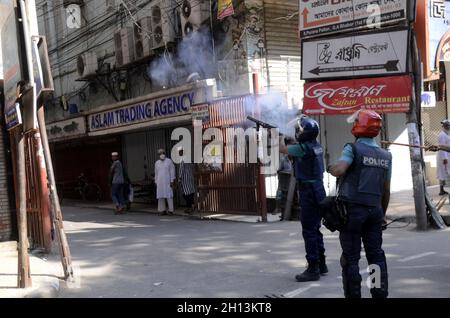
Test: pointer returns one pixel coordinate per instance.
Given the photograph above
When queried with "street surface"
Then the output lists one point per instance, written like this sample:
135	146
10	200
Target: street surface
145	255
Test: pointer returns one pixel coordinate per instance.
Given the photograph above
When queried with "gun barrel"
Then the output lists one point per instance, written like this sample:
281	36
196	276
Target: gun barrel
260	123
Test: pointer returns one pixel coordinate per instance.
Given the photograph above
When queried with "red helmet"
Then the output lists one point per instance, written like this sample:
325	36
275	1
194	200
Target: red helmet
367	124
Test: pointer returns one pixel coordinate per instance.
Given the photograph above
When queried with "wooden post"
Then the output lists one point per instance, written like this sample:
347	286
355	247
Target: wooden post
57	218
24	275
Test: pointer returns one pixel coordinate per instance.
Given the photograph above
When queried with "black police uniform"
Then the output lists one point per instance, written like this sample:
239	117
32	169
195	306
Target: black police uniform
362	189
309	171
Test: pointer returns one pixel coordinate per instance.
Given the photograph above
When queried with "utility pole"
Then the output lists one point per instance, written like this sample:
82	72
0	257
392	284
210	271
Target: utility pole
414	139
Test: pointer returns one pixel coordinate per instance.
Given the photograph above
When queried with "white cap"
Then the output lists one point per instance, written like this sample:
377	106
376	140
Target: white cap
115	154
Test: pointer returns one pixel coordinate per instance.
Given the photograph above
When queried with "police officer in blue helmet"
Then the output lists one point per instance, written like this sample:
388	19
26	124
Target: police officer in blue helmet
309	170
365	172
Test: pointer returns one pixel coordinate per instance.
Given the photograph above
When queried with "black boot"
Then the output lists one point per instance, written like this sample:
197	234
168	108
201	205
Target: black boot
323	268
311	274
381	292
352	288
443	192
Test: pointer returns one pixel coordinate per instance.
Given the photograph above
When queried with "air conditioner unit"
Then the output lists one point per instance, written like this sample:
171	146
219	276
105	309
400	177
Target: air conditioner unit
87	64
124	44
143	38
163	22
193	14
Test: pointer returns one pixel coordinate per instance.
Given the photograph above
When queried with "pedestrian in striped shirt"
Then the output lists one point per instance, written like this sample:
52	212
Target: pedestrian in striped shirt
186	181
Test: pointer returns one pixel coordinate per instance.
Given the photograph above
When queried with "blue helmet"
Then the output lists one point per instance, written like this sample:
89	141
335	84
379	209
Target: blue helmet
307	129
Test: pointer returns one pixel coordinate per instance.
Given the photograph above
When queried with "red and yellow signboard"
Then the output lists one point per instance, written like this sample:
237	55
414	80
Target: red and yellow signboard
382	94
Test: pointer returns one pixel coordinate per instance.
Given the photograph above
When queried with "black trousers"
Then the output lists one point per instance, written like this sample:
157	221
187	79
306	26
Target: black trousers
189	198
364	225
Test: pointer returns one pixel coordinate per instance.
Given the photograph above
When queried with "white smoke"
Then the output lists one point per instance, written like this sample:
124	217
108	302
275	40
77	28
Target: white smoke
193	55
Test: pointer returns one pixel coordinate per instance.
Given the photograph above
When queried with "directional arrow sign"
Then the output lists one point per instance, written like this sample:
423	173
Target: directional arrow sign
376	53
391	66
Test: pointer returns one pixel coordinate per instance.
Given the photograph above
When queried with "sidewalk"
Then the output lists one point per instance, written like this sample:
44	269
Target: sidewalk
402	204
145	208
44	274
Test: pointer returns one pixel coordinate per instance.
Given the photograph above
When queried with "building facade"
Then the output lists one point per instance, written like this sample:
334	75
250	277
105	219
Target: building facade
114	60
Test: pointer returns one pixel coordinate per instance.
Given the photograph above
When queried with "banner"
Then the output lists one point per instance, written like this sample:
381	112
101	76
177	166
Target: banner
321	17
225	9
383	94
378	53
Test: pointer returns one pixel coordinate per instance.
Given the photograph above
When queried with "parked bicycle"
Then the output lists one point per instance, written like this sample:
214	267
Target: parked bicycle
87	191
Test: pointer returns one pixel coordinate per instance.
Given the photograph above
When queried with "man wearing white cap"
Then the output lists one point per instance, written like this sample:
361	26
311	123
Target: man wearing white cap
117	180
443	157
165	181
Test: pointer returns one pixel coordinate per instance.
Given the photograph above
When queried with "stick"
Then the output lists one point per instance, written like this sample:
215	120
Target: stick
405	145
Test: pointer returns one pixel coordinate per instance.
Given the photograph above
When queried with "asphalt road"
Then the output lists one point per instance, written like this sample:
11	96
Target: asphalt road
145	255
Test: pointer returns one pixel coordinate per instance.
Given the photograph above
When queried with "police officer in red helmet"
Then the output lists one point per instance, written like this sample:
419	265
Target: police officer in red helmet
364	171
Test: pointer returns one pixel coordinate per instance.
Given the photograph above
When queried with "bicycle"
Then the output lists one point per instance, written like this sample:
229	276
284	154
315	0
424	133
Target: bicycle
88	191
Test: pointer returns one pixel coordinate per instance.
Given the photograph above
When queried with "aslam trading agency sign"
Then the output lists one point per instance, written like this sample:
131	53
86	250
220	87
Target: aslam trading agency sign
383	94
379	53
319	17
142	112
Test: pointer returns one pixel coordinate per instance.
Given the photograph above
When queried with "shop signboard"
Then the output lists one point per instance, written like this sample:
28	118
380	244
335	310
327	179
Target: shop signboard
378	53
439	34
164	107
321	17
428	99
391	94
67	129
12	71
200	114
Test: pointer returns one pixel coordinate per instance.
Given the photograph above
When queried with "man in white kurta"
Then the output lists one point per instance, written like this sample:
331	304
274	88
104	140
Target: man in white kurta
164	179
443	157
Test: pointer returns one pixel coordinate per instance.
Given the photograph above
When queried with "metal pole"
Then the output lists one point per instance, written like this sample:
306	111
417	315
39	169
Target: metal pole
261	186
24	275
66	258
416	153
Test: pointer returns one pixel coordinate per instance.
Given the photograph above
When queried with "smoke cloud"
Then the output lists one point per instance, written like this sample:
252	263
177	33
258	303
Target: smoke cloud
194	55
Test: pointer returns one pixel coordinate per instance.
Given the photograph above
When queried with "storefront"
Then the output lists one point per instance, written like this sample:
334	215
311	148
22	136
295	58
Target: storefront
136	128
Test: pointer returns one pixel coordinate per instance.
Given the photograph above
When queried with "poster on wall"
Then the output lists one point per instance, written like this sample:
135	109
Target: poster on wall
320	17
379	53
391	94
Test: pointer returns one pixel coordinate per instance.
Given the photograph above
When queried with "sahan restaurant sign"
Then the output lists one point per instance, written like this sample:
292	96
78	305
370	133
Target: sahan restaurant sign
385	95
168	106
